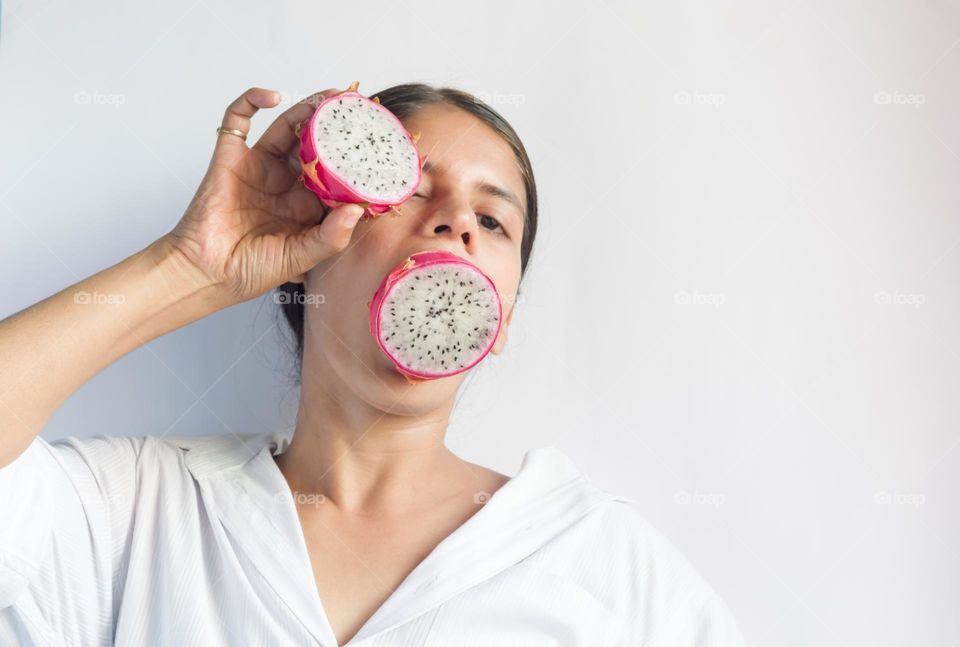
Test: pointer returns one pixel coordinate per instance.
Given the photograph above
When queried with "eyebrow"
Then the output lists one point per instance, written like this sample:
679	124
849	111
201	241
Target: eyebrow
485	187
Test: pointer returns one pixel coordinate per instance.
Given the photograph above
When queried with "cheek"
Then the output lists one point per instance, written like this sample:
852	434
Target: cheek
376	246
507	284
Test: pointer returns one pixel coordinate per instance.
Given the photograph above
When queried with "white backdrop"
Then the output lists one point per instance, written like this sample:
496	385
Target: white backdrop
742	309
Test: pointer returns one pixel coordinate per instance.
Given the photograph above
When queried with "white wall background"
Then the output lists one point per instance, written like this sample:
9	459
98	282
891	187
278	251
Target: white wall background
788	168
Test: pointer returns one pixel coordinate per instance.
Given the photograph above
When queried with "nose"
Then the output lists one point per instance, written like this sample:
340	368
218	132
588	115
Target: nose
454	222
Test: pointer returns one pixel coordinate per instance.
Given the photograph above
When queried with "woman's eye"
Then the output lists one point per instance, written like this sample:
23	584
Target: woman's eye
490	222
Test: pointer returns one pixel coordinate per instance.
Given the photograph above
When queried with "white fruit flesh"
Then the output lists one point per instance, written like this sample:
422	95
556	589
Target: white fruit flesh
368	149
439	319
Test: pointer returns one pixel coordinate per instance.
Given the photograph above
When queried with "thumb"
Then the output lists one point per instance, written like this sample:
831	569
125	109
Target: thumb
316	244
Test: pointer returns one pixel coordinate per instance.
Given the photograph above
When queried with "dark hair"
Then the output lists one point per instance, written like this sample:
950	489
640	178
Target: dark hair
403	101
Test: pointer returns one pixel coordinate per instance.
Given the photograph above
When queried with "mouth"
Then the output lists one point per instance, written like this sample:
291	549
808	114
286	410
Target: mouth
422	253
422	256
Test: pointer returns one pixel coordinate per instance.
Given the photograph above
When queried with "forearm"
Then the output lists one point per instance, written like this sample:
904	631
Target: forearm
50	349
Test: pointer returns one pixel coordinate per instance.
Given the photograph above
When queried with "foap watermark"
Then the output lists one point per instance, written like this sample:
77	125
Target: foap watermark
684	298
302	298
896	298
712	99
683	497
299	498
97	98
296	96
98	298
512	299
897	98
496	98
913	499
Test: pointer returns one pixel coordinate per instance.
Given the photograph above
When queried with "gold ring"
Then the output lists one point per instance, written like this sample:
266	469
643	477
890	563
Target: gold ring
232	131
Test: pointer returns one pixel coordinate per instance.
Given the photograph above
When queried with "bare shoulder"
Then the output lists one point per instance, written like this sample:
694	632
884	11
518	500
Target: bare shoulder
486	479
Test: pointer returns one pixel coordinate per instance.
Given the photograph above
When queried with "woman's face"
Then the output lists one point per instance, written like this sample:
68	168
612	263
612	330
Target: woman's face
455	209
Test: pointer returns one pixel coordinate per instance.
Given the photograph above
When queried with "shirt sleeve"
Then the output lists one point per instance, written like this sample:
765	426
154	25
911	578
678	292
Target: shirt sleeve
699	620
715	626
665	600
66	510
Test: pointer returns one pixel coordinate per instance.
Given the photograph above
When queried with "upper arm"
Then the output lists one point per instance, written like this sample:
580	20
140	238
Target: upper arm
715	626
665	601
66	511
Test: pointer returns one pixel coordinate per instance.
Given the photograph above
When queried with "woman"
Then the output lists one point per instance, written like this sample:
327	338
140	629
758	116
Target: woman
361	528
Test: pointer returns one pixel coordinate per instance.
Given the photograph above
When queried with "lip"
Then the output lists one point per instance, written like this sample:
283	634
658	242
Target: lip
434	250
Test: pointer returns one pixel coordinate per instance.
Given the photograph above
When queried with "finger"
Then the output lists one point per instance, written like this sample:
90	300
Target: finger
294	164
322	241
281	137
238	114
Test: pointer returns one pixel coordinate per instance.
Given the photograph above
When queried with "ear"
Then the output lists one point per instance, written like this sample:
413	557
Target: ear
502	335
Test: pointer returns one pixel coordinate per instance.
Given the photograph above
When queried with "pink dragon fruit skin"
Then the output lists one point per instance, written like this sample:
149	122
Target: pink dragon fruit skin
487	310
335	190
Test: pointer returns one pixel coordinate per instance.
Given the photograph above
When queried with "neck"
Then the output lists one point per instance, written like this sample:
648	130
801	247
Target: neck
364	459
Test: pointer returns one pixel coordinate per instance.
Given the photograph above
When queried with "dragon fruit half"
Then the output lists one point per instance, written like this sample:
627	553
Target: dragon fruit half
354	150
435	315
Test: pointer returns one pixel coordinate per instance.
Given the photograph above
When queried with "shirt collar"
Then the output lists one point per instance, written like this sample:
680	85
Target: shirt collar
251	497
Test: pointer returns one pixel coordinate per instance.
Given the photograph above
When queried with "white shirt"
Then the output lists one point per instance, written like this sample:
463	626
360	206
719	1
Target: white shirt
196	541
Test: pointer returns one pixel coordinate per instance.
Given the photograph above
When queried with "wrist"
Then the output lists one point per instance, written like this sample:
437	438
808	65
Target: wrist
182	280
